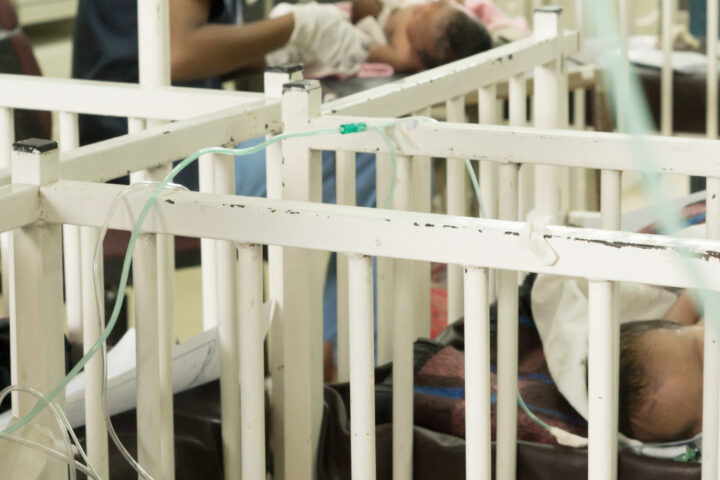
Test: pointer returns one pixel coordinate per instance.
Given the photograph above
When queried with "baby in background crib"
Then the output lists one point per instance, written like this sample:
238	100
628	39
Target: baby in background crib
413	35
410	36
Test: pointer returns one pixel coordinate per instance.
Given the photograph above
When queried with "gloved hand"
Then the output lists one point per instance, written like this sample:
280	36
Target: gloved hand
322	39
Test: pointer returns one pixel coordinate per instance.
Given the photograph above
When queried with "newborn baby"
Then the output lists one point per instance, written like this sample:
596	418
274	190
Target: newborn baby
661	361
413	35
661	376
410	39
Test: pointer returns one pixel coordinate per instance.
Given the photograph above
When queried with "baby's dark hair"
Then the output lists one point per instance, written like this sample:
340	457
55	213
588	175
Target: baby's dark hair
460	36
635	378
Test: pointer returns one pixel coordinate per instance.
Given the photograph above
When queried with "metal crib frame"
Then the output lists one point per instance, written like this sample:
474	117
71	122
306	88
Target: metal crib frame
47	188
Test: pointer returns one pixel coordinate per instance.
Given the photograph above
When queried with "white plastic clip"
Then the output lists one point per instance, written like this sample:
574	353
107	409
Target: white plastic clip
406	133
532	236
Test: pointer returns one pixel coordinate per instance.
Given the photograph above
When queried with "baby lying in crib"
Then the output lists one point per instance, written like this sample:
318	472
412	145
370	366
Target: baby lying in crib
661	360
412	36
661	380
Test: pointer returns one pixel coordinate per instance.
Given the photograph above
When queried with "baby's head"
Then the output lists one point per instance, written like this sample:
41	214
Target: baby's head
438	33
661	365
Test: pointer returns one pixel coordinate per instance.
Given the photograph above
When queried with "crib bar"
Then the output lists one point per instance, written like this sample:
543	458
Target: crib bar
548	103
154	71
93	324
711	365
487	114
226	279
603	360
69	139
666	80
116	99
206	180
274	79
536	146
147	326
579	177
579	109
37	360
346	195
610	198
455	79
507	344
517	108
421	177
456	201
113	158
165	284
385	269
252	371
403	338
7	137
296	361
604	330
657	260
477	375
362	385
712	72
580	18
154	43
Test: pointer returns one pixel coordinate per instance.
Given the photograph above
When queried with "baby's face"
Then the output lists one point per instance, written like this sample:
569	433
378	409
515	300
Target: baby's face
673	410
417	29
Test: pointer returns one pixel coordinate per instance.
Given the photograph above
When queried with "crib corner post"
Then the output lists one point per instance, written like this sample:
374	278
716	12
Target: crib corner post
296	356
38	360
275	77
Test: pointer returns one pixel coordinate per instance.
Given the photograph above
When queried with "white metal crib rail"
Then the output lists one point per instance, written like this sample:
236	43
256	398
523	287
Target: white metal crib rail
477	244
203	118
221	118
293	176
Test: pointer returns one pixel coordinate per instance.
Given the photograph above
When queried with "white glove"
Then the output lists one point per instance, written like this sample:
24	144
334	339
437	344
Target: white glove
322	39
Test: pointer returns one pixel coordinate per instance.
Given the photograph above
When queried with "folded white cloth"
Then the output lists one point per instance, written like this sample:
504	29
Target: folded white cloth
560	310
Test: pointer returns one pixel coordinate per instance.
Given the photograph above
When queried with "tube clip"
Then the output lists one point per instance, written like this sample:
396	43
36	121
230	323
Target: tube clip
532	237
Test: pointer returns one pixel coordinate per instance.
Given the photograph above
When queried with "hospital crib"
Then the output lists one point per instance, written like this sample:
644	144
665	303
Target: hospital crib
474	245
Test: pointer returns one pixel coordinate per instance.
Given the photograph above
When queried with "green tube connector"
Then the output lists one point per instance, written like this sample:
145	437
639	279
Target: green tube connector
353	128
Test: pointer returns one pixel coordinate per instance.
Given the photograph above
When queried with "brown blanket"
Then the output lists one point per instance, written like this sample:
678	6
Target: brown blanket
440	398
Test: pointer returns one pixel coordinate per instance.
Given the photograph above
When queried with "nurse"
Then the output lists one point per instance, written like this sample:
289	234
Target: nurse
208	40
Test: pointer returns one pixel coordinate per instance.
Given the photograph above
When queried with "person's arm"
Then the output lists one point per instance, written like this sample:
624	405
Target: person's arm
364	8
683	310
200	50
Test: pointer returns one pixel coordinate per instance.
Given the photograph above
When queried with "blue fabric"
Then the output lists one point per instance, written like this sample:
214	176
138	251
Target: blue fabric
445	392
699	218
250	180
459	394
